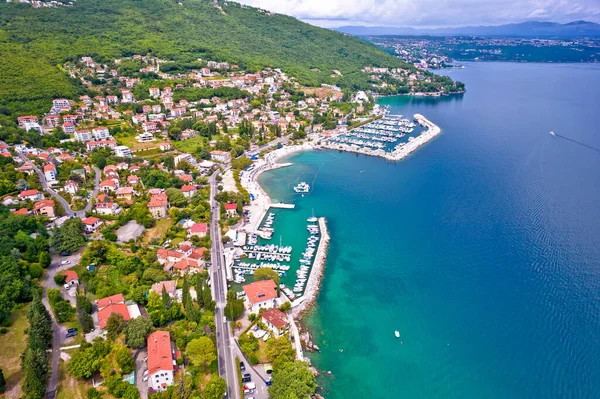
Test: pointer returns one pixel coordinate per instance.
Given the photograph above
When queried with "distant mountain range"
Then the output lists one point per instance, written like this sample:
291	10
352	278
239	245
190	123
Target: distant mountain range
525	29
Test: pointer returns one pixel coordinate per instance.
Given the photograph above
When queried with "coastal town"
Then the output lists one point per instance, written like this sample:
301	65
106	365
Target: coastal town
156	238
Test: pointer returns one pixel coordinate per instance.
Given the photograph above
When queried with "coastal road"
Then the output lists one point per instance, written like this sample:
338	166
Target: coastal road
225	342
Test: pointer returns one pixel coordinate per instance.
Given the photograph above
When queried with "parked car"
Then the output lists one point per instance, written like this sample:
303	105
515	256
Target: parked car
71	334
224	319
269	382
72	330
65	262
65	253
145	379
67	287
242	366
246	379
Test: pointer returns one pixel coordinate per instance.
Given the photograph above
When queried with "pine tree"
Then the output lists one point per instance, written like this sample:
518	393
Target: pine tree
207	296
185	293
199	283
166	299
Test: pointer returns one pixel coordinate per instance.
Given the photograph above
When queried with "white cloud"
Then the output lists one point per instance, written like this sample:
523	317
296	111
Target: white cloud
431	13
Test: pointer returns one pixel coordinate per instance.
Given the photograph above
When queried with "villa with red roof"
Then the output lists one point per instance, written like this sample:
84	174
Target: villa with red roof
71	278
231	210
160	360
44	207
91	224
198	229
261	294
159	206
188	191
110	305
33	195
275	320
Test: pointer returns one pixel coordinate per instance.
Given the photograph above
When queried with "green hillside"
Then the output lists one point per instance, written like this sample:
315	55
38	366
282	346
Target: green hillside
34	43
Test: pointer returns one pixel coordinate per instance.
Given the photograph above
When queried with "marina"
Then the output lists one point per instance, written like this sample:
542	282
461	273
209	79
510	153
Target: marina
385	137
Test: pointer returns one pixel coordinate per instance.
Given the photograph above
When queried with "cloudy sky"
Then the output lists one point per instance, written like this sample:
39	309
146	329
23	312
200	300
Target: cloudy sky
431	13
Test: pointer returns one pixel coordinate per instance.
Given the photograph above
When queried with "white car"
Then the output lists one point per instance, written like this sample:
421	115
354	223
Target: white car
224	319
65	262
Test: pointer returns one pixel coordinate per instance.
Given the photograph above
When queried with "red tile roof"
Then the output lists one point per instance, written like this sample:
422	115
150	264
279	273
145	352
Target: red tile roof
275	316
158	200
185	263
230	207
170	287
159	352
70	276
198	228
166	253
198	253
28	193
188	188
104	313
90	220
49	168
42	204
110	300
22	211
260	291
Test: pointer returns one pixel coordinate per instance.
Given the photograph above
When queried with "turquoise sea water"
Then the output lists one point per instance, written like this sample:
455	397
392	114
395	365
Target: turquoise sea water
482	248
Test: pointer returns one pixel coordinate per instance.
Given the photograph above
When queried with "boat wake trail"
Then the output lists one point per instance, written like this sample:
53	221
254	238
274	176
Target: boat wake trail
577	142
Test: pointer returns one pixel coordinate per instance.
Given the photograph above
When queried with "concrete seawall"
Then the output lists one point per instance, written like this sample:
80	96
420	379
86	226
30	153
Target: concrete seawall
400	152
316	273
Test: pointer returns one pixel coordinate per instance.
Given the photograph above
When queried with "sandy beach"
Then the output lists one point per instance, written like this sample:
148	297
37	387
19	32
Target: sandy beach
261	203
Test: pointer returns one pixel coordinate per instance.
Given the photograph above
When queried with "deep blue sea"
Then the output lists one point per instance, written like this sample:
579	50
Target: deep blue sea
482	248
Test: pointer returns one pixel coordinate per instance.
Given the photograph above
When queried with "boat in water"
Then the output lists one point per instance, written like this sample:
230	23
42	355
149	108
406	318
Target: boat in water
552	133
303	187
397	334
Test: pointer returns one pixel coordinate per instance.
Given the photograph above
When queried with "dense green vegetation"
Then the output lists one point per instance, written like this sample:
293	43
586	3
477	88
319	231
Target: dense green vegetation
20	254
34	43
34	361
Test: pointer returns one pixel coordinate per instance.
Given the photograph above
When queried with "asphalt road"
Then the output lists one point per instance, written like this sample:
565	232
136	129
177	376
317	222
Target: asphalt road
66	206
225	342
58	332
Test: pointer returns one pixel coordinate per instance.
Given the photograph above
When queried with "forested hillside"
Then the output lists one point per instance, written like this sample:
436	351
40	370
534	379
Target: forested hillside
35	42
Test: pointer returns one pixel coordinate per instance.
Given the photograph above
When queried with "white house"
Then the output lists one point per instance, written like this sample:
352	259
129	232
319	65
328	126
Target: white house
160	360
261	294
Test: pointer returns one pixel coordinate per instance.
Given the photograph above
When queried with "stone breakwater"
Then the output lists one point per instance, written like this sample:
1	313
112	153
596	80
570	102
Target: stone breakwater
316	273
400	152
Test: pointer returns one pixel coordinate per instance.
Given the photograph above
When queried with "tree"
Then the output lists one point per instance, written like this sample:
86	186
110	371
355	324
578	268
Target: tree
207	296
2	382
215	389
85	321
234	307
186	298
279	348
115	326
124	359
264	273
292	380
84	363
68	237
34	364
201	351
137	332
166	299
44	259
